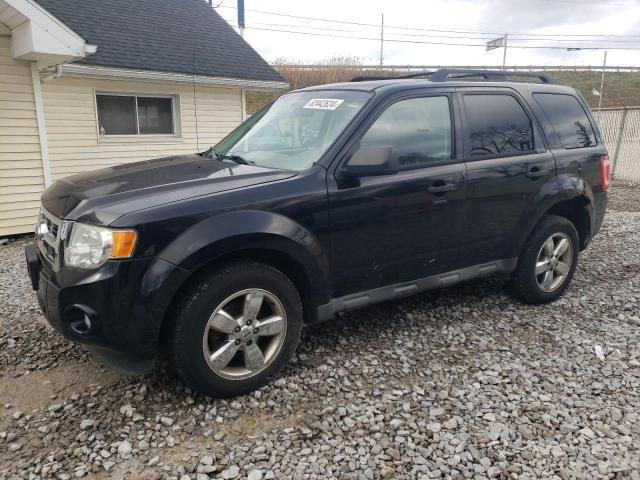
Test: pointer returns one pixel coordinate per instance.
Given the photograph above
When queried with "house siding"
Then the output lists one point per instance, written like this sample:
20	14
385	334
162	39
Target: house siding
21	175
72	131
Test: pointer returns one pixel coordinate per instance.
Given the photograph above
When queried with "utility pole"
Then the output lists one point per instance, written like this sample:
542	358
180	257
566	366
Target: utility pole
604	66
504	55
241	17
382	40
243	91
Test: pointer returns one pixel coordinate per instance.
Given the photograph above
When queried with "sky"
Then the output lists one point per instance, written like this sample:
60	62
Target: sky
572	24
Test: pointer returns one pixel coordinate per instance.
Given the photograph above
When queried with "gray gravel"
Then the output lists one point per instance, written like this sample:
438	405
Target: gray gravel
458	383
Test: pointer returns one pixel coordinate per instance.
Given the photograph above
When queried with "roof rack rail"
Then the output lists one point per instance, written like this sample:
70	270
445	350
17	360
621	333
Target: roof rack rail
444	74
366	78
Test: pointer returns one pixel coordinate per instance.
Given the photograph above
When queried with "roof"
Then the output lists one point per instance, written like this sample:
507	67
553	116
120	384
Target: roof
177	36
456	77
395	84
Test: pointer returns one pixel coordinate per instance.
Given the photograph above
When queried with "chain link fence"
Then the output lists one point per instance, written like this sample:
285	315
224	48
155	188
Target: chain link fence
621	130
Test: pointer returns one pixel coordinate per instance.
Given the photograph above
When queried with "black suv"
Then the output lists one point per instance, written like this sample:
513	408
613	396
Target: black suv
329	199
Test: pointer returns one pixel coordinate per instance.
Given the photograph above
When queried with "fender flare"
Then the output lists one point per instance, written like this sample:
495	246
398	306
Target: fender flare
220	235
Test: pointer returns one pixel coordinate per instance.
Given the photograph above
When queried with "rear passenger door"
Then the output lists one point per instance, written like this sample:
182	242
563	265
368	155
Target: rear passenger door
508	164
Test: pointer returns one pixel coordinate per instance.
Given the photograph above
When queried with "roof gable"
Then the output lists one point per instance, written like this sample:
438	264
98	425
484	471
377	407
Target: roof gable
178	36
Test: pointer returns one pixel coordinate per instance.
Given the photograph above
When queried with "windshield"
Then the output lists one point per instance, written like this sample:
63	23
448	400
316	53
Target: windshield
294	131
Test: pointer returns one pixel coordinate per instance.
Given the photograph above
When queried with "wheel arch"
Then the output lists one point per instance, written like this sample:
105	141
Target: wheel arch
575	206
260	236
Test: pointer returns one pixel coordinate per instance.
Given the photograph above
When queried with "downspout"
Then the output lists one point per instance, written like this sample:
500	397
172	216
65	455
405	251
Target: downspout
243	99
42	129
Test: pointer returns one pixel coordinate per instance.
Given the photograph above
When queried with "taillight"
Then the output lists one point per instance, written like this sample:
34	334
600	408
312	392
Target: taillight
605	172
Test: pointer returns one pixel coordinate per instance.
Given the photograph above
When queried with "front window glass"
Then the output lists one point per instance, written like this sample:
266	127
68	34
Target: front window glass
418	130
294	131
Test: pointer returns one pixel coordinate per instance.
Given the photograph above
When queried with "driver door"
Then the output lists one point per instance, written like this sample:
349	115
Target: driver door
394	228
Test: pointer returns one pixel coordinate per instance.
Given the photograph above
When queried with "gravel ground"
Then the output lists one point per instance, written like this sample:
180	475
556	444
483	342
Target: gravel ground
457	383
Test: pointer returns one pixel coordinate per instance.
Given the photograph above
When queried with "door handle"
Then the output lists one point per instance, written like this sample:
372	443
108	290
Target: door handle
537	172
442	188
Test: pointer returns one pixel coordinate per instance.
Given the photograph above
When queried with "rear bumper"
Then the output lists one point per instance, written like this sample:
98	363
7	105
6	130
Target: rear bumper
116	310
600	202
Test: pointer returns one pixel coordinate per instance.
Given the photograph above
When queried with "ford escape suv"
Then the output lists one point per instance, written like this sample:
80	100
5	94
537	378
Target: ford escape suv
329	199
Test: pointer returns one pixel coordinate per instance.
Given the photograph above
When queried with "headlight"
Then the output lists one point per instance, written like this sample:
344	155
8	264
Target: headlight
90	246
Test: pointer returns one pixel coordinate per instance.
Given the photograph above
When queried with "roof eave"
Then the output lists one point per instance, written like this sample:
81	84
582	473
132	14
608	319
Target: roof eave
84	70
39	36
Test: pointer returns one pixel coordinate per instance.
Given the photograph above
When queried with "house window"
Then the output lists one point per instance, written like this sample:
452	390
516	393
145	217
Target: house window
135	115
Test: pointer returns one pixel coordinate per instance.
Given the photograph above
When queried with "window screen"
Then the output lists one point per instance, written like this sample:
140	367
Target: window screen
155	115
568	119
133	115
497	125
418	130
117	115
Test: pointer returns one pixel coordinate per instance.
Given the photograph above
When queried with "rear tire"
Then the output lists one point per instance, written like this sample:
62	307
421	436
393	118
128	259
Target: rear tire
548	261
235	329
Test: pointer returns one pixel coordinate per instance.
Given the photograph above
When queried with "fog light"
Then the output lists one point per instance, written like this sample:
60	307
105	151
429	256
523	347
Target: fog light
87	322
81	319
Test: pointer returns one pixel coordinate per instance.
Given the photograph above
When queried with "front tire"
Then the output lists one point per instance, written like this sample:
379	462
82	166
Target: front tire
235	329
547	262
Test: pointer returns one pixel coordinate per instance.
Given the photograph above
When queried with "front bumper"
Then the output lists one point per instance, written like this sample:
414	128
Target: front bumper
116	310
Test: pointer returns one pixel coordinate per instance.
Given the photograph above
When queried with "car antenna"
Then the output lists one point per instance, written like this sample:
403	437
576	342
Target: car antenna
195	101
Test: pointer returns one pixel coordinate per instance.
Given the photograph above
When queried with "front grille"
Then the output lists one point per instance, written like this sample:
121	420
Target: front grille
48	237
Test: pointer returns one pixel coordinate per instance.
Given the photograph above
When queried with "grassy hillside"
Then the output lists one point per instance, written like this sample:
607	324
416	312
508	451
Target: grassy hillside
620	89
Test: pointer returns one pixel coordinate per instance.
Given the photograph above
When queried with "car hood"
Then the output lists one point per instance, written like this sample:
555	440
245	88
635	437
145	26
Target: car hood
102	196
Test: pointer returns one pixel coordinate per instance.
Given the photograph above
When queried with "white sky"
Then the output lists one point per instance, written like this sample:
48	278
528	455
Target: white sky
564	17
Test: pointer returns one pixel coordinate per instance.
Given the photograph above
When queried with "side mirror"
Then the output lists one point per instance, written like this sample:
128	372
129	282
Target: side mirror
371	160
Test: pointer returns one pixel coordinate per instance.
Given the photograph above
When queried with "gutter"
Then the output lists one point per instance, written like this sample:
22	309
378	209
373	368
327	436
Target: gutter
76	70
53	76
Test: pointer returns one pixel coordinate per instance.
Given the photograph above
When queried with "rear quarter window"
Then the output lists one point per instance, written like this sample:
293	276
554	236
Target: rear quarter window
568	119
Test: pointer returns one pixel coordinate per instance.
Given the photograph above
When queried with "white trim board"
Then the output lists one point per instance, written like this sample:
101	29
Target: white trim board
155	76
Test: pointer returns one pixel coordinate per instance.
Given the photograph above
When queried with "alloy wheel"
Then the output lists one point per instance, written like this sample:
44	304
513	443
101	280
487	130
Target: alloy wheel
554	262
244	334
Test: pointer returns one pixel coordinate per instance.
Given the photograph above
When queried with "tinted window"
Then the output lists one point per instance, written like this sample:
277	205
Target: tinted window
418	130
568	119
497	125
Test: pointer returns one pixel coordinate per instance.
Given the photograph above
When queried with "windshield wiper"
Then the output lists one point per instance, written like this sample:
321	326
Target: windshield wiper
235	158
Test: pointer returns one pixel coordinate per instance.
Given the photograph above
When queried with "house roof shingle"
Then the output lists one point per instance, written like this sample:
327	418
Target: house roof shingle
178	36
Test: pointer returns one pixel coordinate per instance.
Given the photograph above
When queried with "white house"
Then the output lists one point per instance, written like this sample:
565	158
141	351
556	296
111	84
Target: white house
90	83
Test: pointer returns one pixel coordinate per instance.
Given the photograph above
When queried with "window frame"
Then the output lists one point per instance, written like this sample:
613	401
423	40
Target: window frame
175	117
539	145
384	105
594	130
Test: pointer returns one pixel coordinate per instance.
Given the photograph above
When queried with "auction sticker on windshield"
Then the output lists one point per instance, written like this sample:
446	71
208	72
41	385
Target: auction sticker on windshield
324	103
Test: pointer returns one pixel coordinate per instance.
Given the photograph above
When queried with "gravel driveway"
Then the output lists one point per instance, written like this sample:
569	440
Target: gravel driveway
457	383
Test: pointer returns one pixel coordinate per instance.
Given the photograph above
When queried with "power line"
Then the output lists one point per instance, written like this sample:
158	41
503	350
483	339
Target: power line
589	4
345	22
422	42
423	35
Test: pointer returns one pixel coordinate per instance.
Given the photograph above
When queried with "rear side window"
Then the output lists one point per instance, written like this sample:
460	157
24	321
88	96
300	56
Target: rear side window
568	119
497	126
